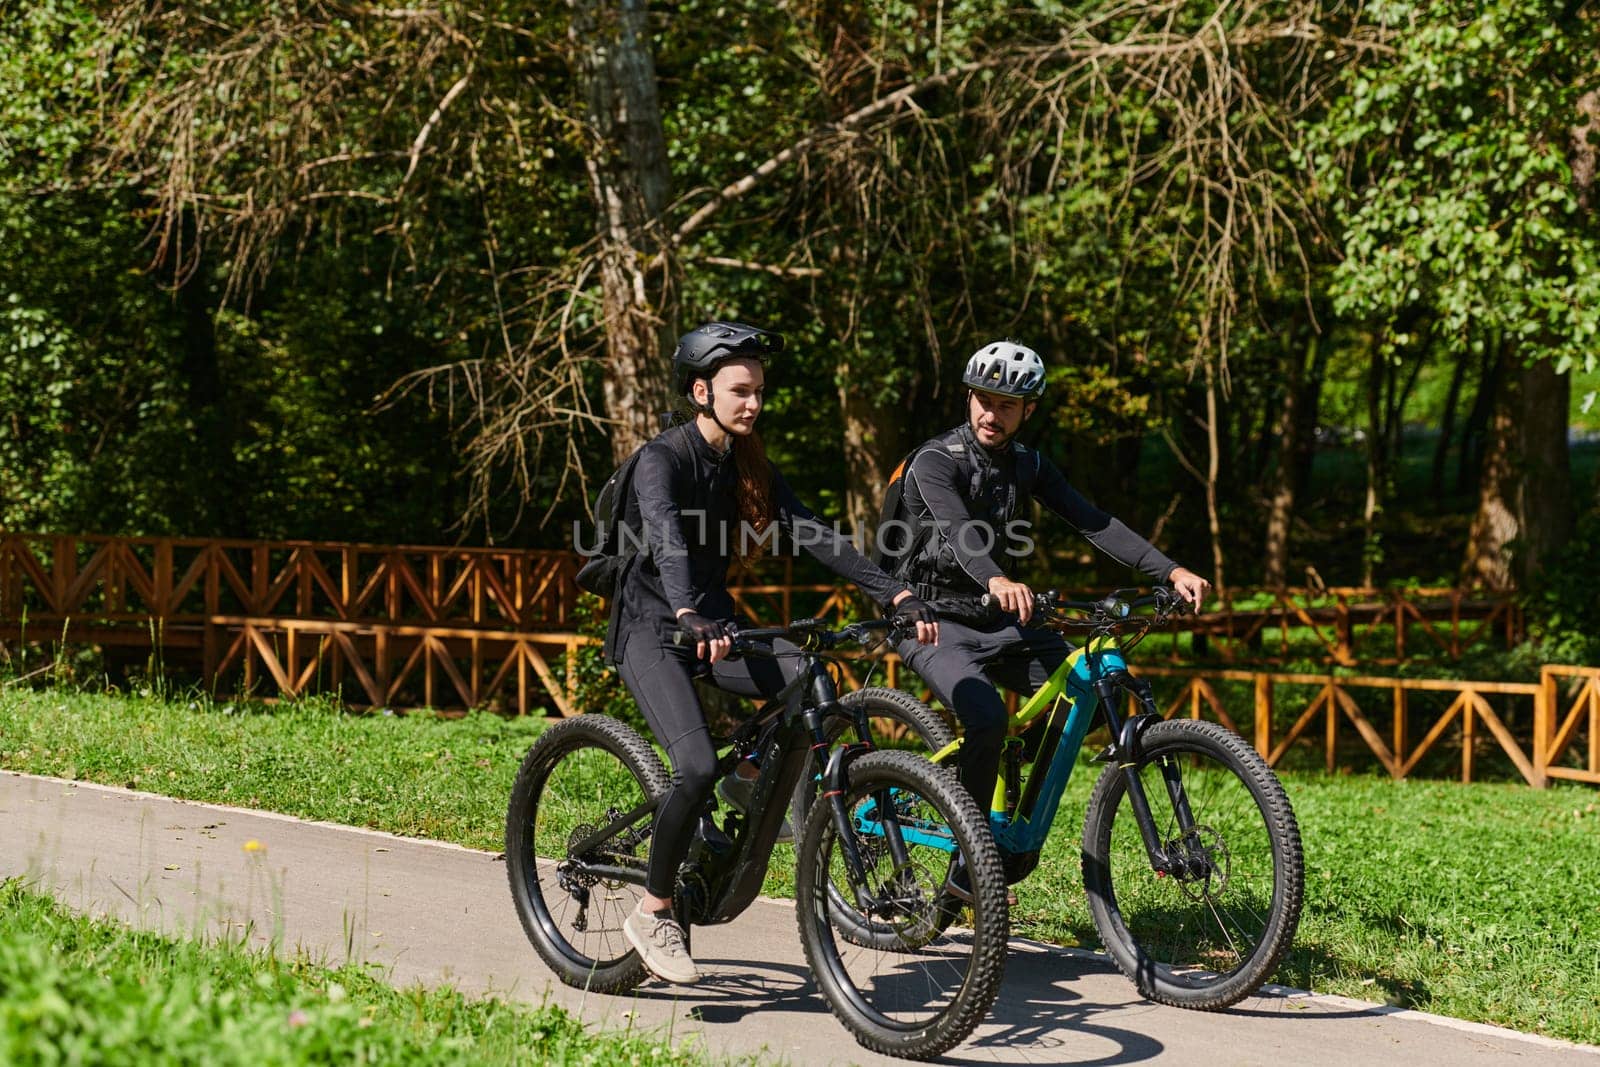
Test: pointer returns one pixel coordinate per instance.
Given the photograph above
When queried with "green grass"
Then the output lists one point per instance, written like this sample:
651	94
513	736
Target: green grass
1481	902
1476	901
416	775
82	991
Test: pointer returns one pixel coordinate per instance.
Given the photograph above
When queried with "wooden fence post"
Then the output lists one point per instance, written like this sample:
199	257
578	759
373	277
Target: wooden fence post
1263	736
1401	730
1544	702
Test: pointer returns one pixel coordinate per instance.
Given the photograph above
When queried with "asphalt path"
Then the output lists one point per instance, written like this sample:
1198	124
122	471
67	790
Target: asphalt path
429	912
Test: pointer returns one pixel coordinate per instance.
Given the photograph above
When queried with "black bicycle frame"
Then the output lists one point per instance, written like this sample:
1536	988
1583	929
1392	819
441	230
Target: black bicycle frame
719	883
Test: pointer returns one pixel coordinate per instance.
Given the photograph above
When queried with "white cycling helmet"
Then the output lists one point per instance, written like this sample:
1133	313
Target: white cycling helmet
1006	368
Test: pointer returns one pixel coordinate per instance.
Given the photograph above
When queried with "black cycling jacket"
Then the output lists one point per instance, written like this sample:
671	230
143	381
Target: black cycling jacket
962	496
683	502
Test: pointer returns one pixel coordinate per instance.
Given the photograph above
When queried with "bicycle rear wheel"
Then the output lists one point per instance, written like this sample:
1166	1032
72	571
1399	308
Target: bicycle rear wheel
1207	933
927	994
571	896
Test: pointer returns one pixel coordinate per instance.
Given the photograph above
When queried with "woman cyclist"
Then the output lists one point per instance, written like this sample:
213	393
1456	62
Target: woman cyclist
704	494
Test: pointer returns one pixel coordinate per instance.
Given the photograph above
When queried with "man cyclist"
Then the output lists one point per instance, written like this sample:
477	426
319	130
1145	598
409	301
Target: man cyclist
961	493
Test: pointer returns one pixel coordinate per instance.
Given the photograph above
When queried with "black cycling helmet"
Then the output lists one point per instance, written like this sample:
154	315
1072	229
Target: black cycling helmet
702	349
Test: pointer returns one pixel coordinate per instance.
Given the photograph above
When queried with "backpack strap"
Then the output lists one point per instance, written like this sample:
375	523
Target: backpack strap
895	509
681	446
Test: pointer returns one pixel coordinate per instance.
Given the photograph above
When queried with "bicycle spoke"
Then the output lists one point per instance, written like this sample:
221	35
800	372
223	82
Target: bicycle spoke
1197	923
583	792
901	966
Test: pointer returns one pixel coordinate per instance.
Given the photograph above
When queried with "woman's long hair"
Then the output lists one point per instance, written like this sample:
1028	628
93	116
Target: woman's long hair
754	486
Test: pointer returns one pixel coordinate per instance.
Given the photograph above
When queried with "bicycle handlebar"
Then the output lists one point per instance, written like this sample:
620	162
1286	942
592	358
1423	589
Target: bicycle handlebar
1108	610
810	634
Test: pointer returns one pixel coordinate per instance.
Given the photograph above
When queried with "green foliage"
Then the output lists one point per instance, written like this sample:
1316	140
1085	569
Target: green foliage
1458	197
1424	205
75	990
1562	611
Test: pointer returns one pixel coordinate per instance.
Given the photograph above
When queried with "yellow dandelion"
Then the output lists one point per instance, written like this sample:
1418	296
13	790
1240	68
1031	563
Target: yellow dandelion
253	845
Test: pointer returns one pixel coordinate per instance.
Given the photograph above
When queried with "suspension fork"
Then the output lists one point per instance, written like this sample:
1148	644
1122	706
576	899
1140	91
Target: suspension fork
1125	734
836	780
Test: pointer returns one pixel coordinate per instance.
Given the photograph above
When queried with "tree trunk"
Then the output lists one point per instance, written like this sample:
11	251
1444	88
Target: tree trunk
1583	148
629	180
874	440
1213	464
1310	405
875	435
1495	525
1395	417
1379	377
1447	425
1293	424
1472	434
1545	511
215	426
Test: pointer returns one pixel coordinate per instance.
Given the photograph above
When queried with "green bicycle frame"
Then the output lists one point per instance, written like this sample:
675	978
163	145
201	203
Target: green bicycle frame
1068	700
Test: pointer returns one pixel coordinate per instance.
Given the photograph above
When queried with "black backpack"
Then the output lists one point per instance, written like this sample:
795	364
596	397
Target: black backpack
900	537
894	544
601	574
616	546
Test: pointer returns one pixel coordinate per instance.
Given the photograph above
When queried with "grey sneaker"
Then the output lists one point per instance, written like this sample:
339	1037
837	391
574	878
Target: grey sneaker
660	943
737	793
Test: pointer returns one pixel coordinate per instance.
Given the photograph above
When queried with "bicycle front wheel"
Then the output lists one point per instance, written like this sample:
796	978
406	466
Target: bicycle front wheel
1206	933
927	994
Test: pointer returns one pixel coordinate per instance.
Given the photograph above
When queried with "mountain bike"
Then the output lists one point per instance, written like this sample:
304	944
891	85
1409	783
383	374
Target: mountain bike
1191	854
874	858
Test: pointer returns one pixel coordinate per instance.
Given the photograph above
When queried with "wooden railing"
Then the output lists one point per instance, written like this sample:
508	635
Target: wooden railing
463	627
384	625
1342	626
183	581
397	666
1555	729
1539	743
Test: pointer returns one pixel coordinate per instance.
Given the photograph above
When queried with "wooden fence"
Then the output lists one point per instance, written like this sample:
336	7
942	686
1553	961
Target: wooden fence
465	627
1547	715
383	625
185	581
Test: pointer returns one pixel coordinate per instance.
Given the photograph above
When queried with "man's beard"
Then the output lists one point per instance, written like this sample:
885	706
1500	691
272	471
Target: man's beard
1005	438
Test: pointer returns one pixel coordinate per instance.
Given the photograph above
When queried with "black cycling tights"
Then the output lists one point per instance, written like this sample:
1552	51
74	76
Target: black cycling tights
659	677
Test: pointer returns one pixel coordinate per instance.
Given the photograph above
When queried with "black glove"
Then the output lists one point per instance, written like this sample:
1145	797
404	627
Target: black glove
699	628
911	611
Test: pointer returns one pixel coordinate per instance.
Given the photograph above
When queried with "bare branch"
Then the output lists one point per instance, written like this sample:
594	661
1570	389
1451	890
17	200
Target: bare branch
777	269
433	120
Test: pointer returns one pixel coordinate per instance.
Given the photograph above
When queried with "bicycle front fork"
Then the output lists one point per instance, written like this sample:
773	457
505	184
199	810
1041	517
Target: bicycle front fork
835	784
1126	750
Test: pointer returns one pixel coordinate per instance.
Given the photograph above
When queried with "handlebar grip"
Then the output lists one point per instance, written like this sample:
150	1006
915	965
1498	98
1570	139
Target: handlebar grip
978	610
